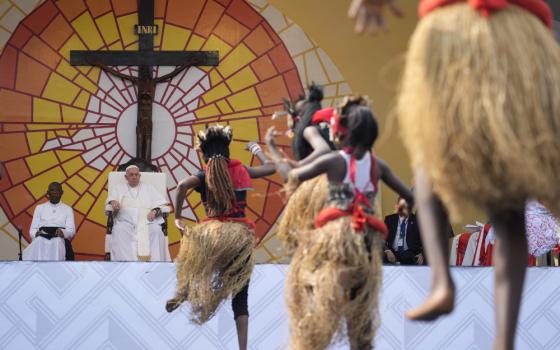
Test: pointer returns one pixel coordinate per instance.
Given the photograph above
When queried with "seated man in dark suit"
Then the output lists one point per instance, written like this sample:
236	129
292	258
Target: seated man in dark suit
403	243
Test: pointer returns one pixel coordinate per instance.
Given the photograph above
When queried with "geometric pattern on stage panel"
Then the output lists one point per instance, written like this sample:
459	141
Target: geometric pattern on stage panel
96	305
75	124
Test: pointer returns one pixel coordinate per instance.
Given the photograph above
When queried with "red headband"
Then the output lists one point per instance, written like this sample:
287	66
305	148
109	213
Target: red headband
537	7
329	115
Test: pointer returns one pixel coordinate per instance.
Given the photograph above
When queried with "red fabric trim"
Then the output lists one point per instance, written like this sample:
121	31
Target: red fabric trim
359	216
323	116
486	7
488	255
359	219
462	247
483	249
239	175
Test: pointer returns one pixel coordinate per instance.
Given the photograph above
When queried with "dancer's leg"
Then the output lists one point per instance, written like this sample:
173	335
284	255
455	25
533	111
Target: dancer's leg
241	315
510	261
433	228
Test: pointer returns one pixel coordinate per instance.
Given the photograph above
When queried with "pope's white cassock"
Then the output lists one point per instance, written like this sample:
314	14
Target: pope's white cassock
50	215
133	236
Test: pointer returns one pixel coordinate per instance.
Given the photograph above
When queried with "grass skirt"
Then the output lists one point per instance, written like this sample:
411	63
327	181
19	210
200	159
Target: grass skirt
215	261
317	303
303	206
479	108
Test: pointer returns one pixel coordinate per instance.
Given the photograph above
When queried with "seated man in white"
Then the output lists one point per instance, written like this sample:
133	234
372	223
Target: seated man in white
137	219
53	221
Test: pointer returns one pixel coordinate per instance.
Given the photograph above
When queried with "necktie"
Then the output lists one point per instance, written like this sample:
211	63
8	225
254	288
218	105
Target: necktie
400	247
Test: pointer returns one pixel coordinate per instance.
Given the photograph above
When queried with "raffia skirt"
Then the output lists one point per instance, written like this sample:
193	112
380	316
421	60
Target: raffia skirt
303	206
479	108
215	261
317	302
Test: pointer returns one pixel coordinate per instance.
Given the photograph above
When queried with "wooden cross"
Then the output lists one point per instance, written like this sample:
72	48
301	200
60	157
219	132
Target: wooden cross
145	58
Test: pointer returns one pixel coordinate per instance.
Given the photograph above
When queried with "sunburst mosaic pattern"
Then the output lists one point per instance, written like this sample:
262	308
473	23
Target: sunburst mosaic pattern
76	124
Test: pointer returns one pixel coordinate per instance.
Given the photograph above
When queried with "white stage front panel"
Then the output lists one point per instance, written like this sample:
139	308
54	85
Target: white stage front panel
100	305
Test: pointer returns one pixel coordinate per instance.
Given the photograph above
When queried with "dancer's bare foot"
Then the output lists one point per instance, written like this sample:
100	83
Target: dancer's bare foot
173	304
439	302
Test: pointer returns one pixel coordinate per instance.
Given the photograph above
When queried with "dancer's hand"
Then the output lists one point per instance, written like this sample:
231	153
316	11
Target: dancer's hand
151	215
270	140
420	259
180	225
369	14
390	256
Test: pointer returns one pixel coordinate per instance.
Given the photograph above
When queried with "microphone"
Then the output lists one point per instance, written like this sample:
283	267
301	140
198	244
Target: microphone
20	234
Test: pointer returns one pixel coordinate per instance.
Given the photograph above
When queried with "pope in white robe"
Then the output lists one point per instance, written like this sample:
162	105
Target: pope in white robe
52	222
137	233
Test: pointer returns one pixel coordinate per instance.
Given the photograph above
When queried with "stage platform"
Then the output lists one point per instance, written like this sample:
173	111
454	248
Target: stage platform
99	305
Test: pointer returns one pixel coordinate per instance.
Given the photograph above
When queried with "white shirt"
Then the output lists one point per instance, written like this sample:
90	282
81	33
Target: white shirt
363	172
53	215
397	241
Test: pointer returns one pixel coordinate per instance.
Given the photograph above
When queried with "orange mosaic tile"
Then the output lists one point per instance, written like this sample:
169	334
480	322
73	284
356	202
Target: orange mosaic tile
293	83
272	91
244	13
124	7
271	32
14	127
224	3
210	16
256	198
23	220
57	32
281	58
178	15
71	8
159	10
263	68
261	230
42	17
19	170
259	41
89	238
15	106
20	37
7	74
31	75
230	31
38	49
18	198
280	124
98	7
274	203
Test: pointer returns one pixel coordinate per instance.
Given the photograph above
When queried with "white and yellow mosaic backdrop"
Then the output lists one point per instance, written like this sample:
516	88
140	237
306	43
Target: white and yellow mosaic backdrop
74	125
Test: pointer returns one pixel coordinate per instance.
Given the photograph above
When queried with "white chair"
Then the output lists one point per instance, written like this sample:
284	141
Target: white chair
158	180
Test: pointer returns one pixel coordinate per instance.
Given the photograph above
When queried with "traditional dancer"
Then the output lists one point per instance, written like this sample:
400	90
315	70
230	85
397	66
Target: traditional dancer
216	256
480	115
336	268
311	139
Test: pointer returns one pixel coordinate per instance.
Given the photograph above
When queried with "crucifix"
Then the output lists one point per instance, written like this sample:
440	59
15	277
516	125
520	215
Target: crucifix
145	58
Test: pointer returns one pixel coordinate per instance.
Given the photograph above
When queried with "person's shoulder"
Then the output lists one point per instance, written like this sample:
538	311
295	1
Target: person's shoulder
41	205
391	216
65	206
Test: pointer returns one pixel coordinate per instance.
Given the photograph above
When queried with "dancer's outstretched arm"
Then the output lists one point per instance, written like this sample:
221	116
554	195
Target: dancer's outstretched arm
317	142
268	168
390	179
181	192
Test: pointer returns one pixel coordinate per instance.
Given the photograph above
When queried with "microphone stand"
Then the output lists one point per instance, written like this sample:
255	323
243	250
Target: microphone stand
20	234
